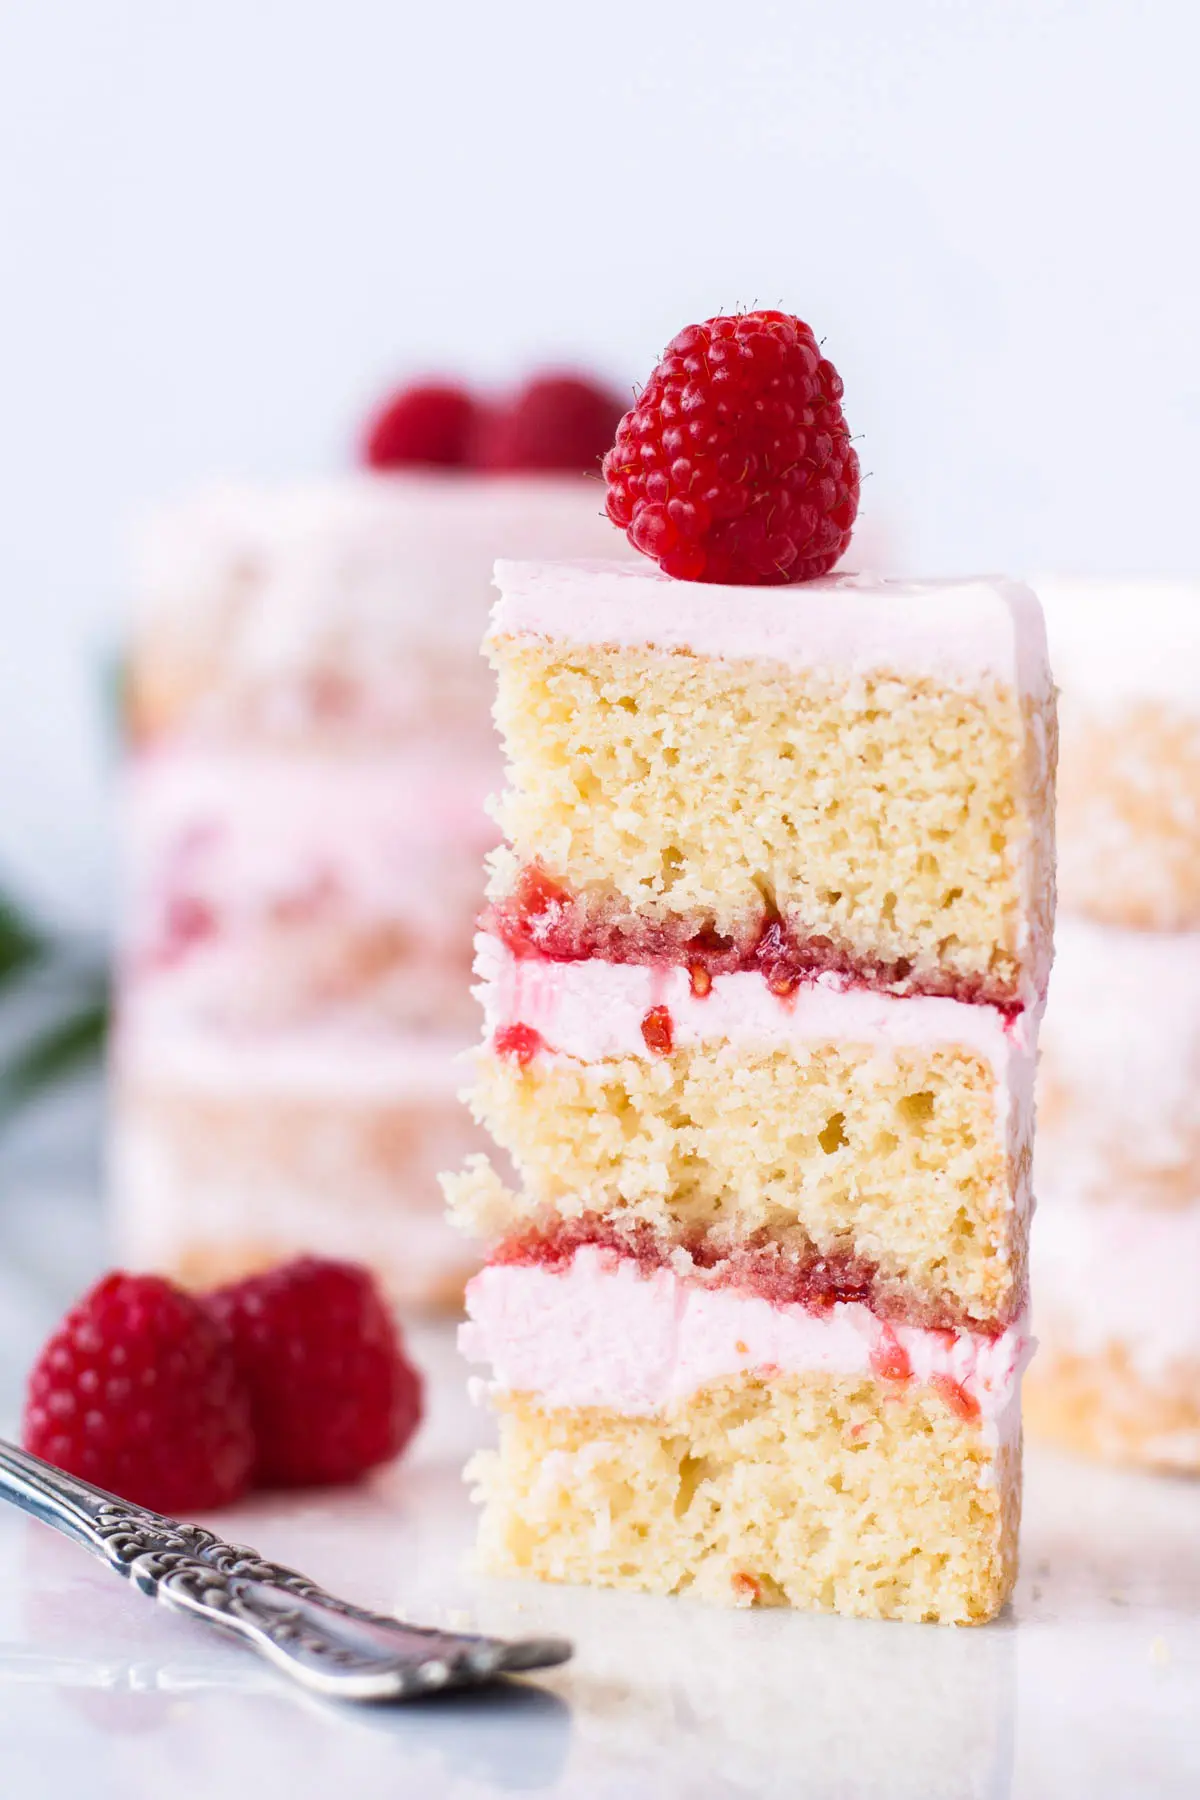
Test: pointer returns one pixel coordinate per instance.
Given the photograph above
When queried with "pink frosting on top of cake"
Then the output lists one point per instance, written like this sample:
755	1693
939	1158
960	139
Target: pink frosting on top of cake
962	631
366	565
602	1332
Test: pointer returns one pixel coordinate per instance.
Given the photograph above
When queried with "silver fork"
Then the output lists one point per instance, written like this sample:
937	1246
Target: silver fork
324	1643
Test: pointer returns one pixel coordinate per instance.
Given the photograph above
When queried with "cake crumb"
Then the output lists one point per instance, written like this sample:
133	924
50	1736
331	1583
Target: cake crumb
1160	1655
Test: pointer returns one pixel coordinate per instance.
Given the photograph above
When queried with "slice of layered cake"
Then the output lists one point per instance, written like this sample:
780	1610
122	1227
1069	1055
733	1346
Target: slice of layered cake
761	974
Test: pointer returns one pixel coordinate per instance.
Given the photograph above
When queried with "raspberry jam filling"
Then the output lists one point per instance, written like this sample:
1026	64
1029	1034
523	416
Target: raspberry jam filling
542	918
783	1274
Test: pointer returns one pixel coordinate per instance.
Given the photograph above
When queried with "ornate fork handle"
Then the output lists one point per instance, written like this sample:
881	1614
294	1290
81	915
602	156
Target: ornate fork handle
328	1645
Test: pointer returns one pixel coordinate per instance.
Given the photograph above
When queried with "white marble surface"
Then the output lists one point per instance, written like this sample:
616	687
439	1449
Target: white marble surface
1090	1687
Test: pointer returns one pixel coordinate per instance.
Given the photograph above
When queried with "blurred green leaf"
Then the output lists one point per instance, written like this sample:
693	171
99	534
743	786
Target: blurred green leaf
53	1053
21	944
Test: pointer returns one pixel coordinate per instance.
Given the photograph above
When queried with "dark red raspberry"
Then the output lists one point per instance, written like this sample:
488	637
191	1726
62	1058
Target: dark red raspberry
332	1391
557	424
138	1391
736	464
431	423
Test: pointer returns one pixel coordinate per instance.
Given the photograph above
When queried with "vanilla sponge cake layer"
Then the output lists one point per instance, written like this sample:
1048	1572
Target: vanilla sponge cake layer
228	1155
657	1436
811	1492
1125	654
892	1134
868	763
1118	1369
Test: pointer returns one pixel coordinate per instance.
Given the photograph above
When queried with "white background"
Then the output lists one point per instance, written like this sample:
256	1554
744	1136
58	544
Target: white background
224	226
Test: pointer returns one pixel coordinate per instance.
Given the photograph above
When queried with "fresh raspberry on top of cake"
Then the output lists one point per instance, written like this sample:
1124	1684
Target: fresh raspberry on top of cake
430	423
333	1393
138	1391
736	465
556	424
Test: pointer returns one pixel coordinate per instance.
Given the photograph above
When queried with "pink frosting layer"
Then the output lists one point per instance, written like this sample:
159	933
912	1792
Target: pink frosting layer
961	631
260	823
604	1333
261	836
594	1009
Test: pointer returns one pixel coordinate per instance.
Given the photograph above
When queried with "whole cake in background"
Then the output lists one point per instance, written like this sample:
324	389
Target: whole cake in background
762	975
1116	1245
310	750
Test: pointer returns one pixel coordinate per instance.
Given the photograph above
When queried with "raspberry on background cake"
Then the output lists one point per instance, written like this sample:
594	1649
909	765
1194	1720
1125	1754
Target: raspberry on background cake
310	754
761	972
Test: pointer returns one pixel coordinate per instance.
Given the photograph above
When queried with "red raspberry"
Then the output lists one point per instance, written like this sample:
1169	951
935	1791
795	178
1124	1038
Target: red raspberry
557	423
736	464
333	1393
431	423
138	1391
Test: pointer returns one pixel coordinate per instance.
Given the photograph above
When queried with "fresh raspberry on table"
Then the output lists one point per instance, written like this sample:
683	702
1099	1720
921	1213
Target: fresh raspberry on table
430	424
736	464
556	424
138	1391
332	1391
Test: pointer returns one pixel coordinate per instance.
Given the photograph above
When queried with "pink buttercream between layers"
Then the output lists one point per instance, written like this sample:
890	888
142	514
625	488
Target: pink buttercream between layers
962	631
594	1009
263	836
602	1332
256	826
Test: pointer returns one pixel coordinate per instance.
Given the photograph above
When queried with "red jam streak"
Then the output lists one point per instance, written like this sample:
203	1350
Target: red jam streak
889	1359
521	1042
956	1397
542	918
657	1031
784	1275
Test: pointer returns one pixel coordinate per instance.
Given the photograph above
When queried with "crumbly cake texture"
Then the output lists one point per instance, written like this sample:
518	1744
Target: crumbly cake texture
902	1168
897	814
818	1492
761	977
1125	655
